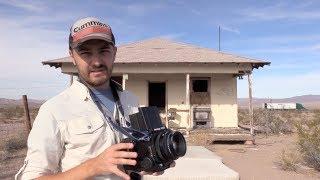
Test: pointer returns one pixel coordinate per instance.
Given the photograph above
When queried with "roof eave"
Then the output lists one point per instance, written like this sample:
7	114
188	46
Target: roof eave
258	65
52	64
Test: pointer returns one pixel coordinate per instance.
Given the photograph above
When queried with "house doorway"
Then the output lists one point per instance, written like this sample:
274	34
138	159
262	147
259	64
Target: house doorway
157	94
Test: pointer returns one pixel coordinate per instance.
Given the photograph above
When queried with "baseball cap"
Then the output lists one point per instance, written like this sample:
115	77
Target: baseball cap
89	28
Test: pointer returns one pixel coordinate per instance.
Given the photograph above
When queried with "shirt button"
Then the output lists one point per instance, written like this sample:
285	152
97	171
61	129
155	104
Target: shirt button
89	127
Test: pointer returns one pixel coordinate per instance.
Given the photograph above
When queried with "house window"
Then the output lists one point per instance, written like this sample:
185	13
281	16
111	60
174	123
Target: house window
200	85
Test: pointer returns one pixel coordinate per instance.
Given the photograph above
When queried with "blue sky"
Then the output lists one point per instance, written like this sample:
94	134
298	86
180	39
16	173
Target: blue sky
286	33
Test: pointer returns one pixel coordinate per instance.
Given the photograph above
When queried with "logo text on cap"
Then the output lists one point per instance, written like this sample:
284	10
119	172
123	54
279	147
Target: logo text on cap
88	24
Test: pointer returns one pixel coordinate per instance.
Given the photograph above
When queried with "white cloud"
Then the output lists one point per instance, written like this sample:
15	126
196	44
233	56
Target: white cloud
196	12
280	11
294	65
230	29
26	5
133	9
24	44
284	49
316	47
279	39
173	36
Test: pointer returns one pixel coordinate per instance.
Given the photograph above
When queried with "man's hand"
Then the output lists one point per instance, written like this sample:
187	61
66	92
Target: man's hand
110	159
157	173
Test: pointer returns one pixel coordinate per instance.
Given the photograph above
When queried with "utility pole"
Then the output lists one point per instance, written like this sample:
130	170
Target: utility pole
250	103
219	38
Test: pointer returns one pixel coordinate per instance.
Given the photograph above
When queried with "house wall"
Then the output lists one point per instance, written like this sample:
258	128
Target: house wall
223	95
175	90
224	101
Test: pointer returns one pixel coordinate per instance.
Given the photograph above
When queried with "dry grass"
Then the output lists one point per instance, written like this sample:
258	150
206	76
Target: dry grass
12	150
275	121
12	112
305	122
289	160
13	139
309	140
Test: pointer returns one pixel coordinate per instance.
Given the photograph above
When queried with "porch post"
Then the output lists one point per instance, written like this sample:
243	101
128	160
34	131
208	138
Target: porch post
188	98
187	89
71	79
124	78
250	103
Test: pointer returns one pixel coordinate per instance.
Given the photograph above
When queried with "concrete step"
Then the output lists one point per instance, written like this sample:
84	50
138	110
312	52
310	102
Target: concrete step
198	164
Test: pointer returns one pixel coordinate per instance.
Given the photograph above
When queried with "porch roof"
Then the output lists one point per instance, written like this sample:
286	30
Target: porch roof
159	50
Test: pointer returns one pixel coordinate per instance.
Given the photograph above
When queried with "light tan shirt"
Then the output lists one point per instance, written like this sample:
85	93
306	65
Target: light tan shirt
70	129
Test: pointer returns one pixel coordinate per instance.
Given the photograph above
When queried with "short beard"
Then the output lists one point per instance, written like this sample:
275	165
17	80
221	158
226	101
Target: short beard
96	83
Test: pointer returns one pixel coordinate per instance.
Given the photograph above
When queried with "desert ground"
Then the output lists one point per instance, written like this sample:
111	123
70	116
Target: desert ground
260	161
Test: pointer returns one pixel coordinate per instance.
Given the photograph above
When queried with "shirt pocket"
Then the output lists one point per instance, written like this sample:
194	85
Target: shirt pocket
84	125
85	134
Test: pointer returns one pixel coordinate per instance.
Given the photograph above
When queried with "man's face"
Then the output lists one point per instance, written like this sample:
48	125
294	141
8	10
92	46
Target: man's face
94	60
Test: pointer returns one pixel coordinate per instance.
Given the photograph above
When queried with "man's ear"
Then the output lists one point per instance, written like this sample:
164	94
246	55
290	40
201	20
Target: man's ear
72	58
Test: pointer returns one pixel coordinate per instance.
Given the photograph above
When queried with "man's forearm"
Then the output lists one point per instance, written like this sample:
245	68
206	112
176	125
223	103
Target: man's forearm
83	171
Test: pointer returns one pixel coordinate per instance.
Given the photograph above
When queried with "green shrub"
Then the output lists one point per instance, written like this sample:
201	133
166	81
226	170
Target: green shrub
309	141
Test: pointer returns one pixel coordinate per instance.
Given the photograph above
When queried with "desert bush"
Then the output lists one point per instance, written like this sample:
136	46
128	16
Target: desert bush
271	121
12	112
289	160
33	113
15	143
309	140
3	155
243	116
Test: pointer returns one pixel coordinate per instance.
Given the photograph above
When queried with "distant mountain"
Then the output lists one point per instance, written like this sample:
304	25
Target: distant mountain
18	102
309	101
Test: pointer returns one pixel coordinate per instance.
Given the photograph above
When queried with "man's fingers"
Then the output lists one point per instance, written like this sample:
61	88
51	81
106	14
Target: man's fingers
158	173
143	173
151	173
125	154
120	173
121	146
122	161
173	164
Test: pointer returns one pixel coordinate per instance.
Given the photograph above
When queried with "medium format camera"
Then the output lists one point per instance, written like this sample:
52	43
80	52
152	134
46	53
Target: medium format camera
156	145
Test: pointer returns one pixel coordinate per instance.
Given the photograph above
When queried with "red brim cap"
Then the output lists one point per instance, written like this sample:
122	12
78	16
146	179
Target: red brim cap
90	28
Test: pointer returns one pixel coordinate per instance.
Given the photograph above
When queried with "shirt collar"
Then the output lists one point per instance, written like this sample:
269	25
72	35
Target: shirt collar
83	92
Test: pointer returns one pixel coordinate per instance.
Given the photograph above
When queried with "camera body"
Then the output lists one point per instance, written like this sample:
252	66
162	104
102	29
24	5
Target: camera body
156	145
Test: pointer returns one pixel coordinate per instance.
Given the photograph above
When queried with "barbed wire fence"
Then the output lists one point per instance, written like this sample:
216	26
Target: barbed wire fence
15	123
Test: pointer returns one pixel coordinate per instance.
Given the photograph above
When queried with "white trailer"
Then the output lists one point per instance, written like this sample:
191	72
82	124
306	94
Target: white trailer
282	106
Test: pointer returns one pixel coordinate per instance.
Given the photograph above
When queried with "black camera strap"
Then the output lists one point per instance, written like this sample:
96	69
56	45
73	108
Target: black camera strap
116	125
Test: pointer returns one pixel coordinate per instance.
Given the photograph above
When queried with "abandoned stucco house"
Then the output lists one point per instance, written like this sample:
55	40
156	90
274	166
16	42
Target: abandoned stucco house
198	86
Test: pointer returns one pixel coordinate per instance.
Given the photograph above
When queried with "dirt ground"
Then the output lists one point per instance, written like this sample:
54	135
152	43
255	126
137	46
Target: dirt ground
259	161
252	162
11	161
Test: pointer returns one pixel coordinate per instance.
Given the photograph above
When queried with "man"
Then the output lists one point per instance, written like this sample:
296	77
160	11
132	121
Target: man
71	137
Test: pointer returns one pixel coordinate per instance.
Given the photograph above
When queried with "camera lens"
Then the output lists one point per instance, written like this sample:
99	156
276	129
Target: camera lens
178	144
170	145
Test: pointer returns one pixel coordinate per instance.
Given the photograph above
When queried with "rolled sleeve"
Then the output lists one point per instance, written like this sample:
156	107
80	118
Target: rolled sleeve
45	147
